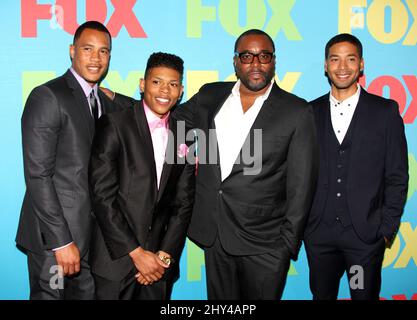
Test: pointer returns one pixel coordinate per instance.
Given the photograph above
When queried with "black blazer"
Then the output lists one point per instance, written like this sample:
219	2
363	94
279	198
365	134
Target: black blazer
129	209
57	132
378	167
254	214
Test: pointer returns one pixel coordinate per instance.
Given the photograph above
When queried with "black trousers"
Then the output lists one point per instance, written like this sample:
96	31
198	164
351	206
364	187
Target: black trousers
334	250
255	277
129	289
45	283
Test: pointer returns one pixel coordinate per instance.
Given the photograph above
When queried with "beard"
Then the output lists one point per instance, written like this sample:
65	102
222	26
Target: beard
263	81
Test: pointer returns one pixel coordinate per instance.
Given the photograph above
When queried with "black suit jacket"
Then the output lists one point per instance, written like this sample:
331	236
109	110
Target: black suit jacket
378	167
57	131
129	209
255	214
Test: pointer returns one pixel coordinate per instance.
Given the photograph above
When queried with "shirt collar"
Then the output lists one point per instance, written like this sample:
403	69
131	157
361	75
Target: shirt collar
351	100
84	84
153	120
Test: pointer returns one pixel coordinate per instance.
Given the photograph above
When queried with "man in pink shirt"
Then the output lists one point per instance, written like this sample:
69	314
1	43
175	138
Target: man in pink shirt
141	201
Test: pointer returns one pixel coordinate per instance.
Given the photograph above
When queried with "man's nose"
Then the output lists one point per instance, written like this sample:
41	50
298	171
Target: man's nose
164	87
95	55
255	61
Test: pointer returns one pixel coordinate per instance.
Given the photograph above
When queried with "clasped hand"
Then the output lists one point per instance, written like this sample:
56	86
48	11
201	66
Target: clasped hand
150	267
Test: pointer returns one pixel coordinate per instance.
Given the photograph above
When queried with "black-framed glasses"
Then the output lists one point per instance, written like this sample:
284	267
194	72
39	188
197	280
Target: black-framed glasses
247	57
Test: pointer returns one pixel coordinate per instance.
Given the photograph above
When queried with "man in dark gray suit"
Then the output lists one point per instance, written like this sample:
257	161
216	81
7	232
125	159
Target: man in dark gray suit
58	125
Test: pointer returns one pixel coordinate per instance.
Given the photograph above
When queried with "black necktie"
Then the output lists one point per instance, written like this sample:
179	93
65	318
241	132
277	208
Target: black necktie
94	106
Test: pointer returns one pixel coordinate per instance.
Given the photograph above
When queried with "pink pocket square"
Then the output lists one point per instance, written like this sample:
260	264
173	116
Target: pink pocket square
182	150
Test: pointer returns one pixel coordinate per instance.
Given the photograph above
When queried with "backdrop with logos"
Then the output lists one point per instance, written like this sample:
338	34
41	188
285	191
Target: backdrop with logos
36	35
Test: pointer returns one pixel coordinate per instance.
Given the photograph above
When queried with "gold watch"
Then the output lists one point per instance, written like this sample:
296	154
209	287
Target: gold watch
167	260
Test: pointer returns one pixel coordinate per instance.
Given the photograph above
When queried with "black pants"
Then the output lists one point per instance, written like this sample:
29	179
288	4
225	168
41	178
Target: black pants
129	289
255	277
46	285
334	250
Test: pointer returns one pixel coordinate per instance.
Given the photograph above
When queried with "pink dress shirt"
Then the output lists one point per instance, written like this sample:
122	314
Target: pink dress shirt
159	133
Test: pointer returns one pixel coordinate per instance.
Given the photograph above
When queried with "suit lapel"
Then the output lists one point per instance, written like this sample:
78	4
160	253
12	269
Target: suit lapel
362	119
170	150
145	137
269	106
324	121
82	103
222	97
105	102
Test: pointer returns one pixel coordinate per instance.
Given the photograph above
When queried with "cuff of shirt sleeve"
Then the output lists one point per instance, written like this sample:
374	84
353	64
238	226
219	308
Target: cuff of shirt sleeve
56	249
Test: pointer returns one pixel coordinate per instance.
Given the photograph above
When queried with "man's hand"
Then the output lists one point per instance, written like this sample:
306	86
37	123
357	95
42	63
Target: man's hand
164	257
69	259
388	243
108	93
150	267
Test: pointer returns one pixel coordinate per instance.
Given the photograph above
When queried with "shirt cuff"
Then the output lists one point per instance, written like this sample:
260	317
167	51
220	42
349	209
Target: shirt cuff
56	249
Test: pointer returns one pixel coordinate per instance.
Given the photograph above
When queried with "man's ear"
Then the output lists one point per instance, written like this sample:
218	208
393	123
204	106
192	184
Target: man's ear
72	51
142	85
182	90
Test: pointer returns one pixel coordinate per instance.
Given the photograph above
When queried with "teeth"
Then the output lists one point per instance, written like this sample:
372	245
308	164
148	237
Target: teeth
162	100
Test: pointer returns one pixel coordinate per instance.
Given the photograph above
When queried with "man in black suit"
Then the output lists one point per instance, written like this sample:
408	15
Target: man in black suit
58	126
253	196
363	179
142	191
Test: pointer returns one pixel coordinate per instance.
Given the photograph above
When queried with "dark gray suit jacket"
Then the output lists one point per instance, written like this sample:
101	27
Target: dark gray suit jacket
57	132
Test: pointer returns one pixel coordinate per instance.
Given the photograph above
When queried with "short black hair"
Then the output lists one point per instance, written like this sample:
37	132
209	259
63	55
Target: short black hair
254	32
343	37
162	59
95	25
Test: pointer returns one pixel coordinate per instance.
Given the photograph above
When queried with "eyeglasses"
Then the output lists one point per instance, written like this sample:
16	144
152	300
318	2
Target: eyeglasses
247	57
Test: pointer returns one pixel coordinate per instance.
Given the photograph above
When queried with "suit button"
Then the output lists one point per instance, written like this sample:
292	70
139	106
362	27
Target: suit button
220	192
150	228
341	151
339	180
337	219
338	194
339	166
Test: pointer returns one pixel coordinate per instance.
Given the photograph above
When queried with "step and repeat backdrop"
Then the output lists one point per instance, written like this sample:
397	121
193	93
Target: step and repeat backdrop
35	39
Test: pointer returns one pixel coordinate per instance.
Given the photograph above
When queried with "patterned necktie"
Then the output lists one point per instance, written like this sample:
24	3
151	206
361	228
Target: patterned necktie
94	106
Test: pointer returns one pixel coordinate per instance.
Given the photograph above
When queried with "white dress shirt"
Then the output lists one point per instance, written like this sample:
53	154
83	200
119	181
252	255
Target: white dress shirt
341	113
233	125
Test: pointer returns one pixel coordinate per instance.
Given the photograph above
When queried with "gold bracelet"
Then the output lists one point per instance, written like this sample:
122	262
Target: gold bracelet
165	259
